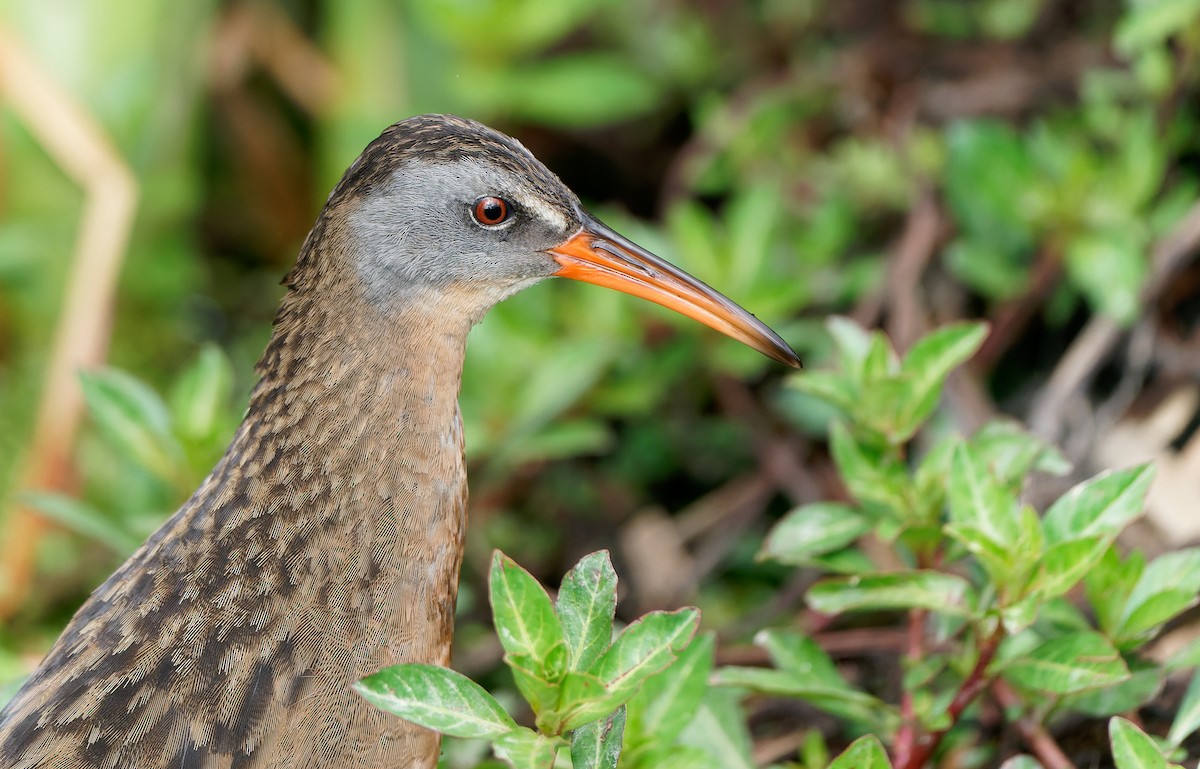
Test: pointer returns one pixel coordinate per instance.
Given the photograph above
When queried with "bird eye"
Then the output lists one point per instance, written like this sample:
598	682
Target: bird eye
490	211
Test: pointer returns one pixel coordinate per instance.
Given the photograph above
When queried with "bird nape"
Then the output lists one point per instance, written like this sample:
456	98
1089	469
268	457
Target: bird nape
326	543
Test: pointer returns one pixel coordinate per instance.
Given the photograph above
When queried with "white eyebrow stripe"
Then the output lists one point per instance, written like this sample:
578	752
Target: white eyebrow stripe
547	213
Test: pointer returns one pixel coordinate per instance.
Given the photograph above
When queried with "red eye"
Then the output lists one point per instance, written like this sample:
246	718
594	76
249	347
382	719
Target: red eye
490	211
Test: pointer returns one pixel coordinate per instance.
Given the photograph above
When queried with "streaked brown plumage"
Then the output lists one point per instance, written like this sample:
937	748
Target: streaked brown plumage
327	542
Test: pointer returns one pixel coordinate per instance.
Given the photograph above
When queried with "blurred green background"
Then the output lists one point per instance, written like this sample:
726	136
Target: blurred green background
907	162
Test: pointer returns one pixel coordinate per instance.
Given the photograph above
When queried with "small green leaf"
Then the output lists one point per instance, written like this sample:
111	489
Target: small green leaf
978	500
670	756
719	729
437	698
644	648
1187	718
1109	584
931	590
200	396
598	745
1021	762
1141	687
578	89
133	419
1065	563
1100	506
793	652
870	477
927	365
587	599
1148	24
668	700
524	748
864	753
583	699
833	697
832	387
853	343
525	620
1132	749
1108	265
1168	586
82	518
1069	664
813	530
1012	453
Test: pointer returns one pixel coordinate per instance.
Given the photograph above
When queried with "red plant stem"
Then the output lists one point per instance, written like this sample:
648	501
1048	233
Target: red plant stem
976	682
1033	733
906	737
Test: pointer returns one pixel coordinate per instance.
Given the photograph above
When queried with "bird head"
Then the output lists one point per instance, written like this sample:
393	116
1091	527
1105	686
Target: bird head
447	205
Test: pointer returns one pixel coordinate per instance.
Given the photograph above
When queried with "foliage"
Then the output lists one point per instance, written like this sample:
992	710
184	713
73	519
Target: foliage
566	663
982	579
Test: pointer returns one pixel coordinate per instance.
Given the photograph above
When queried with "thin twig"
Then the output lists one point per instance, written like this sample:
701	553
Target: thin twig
79	145
1094	344
1040	741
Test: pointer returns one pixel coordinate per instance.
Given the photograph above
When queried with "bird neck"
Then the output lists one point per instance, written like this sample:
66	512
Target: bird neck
352	454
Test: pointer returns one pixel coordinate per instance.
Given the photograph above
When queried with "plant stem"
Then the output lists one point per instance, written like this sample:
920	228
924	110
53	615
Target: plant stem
974	684
906	737
1040	741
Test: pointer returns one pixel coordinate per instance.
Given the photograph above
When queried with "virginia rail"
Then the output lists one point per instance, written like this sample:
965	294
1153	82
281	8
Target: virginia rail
326	543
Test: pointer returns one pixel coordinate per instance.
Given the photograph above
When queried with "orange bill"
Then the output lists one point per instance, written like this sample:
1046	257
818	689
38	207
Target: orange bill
597	254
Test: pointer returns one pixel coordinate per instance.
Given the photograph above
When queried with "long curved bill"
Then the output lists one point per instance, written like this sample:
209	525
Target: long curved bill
597	254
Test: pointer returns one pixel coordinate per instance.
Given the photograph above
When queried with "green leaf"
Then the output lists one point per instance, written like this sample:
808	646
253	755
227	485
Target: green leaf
869	476
133	419
976	499
1021	762
1011	453
541	684
837	698
1132	749
1109	266
524	748
525	620
719	729
793	652
82	518
1168	586
1185	658
582	698
853	344
1187	718
598	745
437	698
586	602
1148	24
931	590
813	530
668	700
864	753
1069	664
806	672
928	363
1065	563
832	387
1141	687
200	397
1100	506
669	756
644	648
575	90
1109	585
